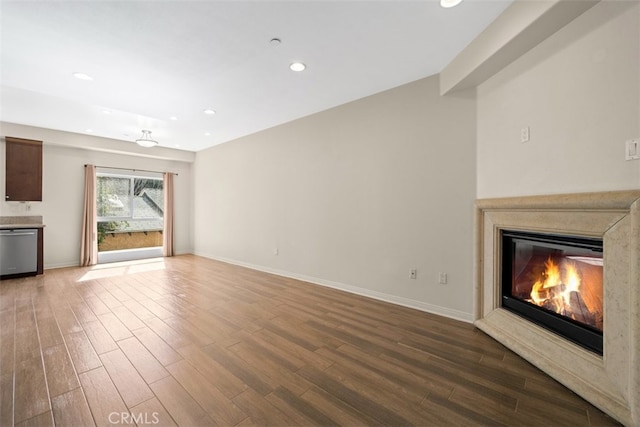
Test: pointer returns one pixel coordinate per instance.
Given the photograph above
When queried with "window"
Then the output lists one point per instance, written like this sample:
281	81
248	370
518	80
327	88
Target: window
130	211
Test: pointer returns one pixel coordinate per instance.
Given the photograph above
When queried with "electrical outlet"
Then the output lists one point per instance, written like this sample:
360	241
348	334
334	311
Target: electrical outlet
442	278
413	273
524	134
276	251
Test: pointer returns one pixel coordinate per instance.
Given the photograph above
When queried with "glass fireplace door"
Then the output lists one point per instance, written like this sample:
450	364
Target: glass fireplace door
557	282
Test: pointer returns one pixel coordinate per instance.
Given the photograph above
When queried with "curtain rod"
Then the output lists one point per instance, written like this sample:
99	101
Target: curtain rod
129	169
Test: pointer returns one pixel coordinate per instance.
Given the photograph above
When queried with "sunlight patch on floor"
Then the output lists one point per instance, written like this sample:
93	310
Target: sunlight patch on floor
123	268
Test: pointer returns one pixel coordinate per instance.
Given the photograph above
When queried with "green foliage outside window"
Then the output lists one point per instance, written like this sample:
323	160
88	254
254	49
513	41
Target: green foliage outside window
109	226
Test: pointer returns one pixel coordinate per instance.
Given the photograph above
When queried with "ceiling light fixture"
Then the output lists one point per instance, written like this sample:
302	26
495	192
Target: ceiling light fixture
82	76
449	3
297	66
174	118
146	141
209	111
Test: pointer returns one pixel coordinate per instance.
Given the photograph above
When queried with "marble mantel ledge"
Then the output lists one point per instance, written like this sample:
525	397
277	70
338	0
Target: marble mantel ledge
611	200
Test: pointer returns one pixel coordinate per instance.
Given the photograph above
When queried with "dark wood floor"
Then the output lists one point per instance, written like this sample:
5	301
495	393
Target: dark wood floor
189	341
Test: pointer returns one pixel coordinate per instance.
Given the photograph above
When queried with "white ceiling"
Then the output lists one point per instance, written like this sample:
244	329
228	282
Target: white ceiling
151	60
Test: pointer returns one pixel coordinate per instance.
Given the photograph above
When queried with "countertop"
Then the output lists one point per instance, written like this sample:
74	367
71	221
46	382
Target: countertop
9	222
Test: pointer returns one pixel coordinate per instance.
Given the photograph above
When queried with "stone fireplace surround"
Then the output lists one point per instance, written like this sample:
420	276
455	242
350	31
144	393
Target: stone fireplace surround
611	381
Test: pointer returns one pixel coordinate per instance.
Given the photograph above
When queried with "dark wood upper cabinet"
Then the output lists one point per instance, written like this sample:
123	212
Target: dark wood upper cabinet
24	170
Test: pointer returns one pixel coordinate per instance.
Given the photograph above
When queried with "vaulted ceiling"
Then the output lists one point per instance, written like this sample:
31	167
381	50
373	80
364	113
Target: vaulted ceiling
157	65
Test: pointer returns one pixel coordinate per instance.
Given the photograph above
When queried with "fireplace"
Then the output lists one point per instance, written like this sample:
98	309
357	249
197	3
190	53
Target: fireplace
555	281
550	244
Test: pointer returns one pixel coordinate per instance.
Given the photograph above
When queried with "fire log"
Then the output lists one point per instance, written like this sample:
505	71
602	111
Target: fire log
578	310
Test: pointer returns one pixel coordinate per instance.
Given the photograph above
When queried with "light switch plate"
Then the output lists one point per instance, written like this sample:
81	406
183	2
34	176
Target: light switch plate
632	149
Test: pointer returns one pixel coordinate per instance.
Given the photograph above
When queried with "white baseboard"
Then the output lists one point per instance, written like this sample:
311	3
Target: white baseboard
394	299
61	265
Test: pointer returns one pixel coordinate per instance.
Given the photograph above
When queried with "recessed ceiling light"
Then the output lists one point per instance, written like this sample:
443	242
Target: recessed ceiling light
449	3
209	111
207	134
89	130
275	41
174	118
297	66
82	76
106	112
177	146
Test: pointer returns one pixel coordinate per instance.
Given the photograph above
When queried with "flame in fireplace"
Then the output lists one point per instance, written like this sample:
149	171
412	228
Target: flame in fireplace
556	285
568	286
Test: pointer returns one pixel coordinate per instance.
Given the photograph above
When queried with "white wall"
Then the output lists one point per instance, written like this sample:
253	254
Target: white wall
352	197
63	186
579	92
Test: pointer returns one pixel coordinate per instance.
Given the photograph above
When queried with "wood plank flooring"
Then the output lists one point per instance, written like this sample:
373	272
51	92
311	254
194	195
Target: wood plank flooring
189	341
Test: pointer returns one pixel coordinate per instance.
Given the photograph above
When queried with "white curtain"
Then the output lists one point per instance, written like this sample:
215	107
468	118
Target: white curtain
89	242
167	234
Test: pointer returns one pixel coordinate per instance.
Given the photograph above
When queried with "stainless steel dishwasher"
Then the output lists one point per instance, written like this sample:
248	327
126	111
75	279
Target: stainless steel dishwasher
18	251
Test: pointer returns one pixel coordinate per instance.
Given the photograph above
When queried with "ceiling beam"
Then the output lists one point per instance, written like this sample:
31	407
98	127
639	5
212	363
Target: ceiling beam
522	26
